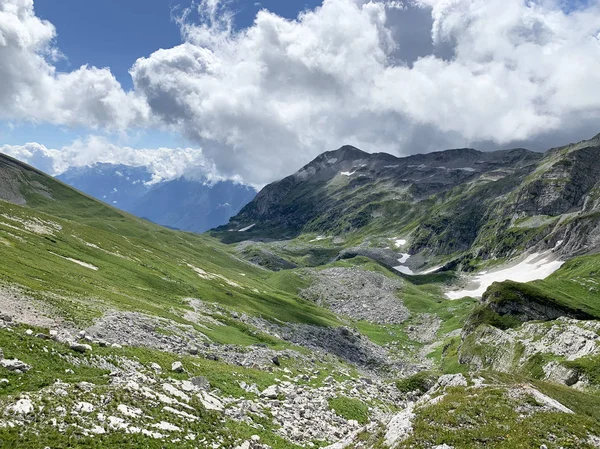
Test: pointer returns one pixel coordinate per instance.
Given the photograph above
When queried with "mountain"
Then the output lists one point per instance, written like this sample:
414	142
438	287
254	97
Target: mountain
458	203
117	332
194	206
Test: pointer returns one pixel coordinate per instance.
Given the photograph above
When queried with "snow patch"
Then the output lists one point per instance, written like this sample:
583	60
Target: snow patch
347	173
247	228
318	238
431	270
402	268
534	267
399	242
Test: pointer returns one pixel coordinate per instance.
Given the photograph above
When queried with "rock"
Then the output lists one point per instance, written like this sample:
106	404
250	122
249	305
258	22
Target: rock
210	402
451	380
244	445
28	332
80	347
271	392
276	361
43	336
84	407
558	373
193	350
6	318
444	446
1	354
177	367
400	426
200	382
15	365
22	407
4	382
156	367
212	357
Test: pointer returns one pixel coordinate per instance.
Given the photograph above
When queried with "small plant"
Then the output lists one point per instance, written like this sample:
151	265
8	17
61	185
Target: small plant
422	382
349	408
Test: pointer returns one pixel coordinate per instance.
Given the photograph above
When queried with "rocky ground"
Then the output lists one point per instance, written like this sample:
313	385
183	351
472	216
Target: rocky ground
359	294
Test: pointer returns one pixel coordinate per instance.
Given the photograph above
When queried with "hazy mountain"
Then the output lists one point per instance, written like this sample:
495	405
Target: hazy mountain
182	204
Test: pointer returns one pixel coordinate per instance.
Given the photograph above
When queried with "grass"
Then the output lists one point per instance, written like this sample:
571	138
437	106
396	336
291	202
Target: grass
491	418
349	408
140	266
421	382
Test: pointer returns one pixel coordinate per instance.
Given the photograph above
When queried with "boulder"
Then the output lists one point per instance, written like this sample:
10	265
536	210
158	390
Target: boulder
200	382
80	347
177	367
15	365
271	392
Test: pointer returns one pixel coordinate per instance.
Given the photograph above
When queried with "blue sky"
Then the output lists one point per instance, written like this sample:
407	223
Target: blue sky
114	34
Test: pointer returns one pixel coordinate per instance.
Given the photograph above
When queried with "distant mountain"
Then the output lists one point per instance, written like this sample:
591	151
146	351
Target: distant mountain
181	204
460	203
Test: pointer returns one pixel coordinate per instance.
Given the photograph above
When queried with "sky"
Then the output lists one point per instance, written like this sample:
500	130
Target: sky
252	91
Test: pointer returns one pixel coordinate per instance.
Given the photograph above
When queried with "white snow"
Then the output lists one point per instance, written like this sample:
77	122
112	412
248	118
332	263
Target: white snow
347	173
318	238
401	268
399	242
404	270
404	258
534	267
247	228
466	169
431	270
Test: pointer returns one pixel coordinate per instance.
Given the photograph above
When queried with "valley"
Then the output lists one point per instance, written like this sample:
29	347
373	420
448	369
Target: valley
445	300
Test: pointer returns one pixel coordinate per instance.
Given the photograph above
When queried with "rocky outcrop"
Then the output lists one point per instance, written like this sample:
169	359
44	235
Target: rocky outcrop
526	304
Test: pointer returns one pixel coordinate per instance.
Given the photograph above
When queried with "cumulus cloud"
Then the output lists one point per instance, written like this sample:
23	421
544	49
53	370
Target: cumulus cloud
386	75
163	163
267	98
31	88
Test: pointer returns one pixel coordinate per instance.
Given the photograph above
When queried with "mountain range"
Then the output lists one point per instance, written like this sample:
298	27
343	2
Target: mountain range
436	301
184	204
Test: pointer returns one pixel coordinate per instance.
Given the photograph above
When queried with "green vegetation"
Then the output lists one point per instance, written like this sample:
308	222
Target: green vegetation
573	289
349	408
421	382
491	417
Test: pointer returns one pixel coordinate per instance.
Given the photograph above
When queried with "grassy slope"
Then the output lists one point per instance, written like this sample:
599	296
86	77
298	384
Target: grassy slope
575	286
141	266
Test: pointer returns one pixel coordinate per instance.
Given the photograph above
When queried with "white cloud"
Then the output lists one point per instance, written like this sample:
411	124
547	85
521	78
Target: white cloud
163	163
264	100
32	89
